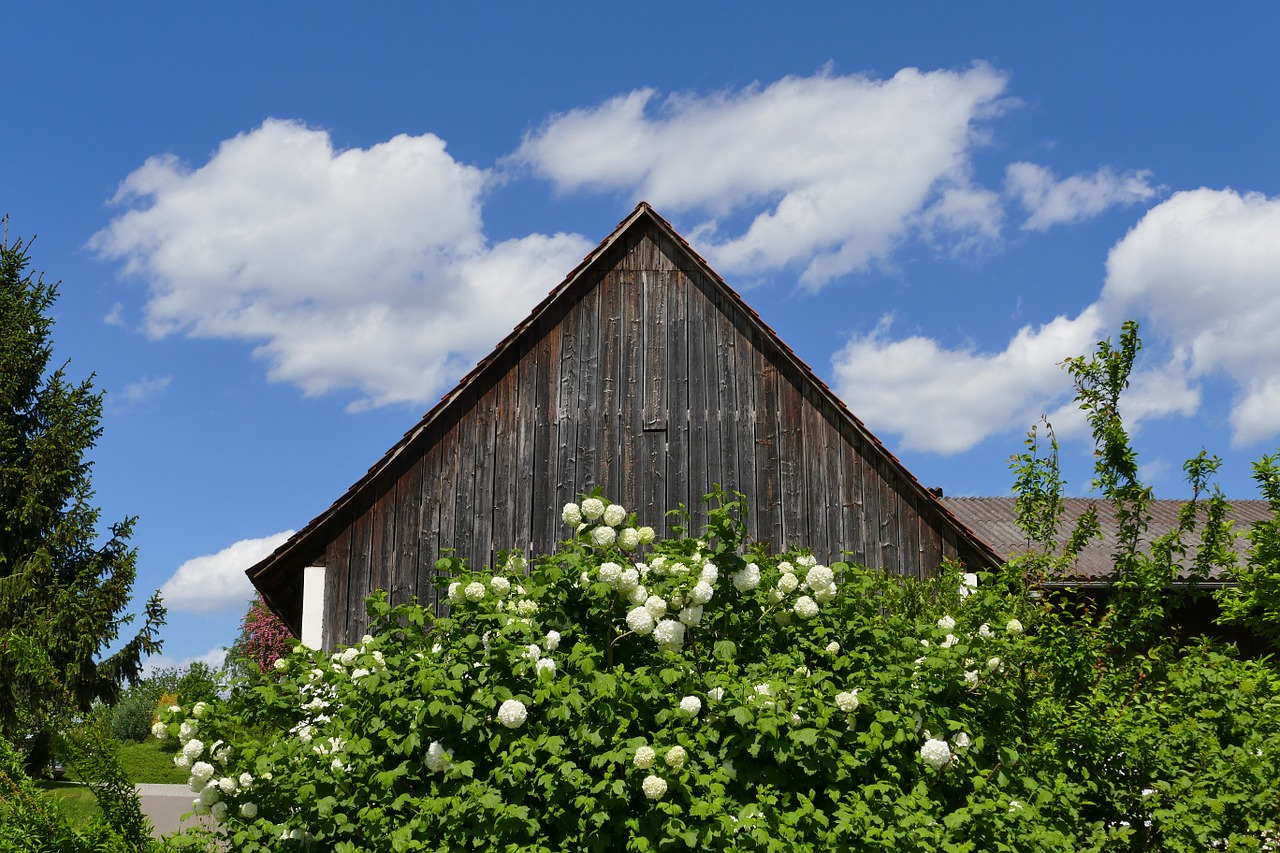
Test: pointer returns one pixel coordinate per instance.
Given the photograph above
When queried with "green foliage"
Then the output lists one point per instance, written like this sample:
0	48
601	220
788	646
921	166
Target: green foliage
1255	600
555	711
700	693
32	821
63	587
131	718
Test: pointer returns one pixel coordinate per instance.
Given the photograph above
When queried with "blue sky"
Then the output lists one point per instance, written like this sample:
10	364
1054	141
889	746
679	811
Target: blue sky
285	229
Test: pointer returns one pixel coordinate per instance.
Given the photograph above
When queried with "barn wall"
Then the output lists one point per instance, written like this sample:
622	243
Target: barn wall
650	382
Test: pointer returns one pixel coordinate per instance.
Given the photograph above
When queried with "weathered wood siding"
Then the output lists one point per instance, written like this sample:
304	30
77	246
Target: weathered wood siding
650	382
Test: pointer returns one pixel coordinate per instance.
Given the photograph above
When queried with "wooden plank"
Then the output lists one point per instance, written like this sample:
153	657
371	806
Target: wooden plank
743	433
652	464
503	483
768	509
656	343
482	544
337	560
909	527
791	470
382	548
404	570
630	390
889	537
567	377
585	430
817	494
703	423
931	545
677	373
359	584
607	382
429	524
526	405
853	541
834	499
448	491
546	491
728	471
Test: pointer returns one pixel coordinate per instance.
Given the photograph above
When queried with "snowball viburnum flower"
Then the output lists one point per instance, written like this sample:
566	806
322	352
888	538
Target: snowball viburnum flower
512	713
629	539
788	583
819	578
248	811
701	593
747	579
192	749
833	648
691	705
640	621
936	753
644	757
474	591
669	634
805	607
160	730
654	787
592	508
571	514
985	632
646	535
603	537
500	585
1014	627
946	623
553	640
676	757
847	701
614	515
656	605
437	759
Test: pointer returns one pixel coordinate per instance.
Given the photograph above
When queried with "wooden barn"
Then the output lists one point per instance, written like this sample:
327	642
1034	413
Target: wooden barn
642	373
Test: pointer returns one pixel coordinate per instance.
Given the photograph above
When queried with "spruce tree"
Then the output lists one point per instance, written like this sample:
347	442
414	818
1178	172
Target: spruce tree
64	584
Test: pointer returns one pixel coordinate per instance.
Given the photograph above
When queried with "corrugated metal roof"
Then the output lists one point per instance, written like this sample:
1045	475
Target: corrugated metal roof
994	520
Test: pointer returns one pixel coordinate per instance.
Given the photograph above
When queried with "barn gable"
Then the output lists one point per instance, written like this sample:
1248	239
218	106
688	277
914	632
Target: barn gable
643	373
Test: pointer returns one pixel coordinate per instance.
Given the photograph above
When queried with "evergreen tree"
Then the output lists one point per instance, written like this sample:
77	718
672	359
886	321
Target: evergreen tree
63	586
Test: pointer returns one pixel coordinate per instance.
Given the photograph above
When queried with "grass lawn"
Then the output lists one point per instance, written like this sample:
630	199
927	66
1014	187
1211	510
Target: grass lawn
149	761
75	801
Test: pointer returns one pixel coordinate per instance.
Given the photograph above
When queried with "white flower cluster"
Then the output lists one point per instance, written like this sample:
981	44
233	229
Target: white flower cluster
936	753
215	793
601	521
506	595
847	701
512	713
812	583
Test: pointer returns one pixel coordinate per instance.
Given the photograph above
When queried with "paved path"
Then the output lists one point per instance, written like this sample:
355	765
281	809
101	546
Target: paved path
165	805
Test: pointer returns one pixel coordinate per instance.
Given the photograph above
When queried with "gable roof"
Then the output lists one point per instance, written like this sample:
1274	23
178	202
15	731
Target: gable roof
995	520
278	576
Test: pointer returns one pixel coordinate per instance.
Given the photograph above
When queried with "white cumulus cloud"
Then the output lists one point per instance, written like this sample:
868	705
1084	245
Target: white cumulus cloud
1204	268
948	400
1199	272
217	582
364	269
1050	201
835	171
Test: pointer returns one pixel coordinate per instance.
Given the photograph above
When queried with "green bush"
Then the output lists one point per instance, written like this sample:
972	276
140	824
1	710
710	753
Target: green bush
741	701
132	717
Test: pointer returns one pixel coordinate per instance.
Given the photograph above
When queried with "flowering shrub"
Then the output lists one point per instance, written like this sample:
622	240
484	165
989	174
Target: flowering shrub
630	693
263	639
